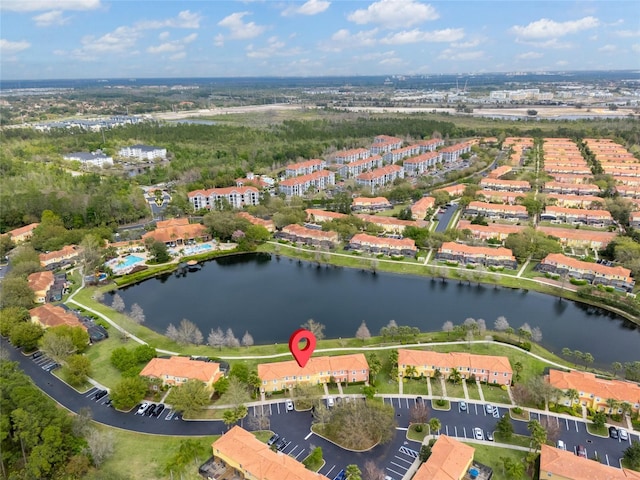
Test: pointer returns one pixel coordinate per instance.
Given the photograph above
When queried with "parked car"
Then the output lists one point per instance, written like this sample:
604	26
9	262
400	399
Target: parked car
462	406
623	434
36	354
99	394
613	432
142	408
478	434
159	409
330	402
280	444
496	412
489	409
489	435
274	438
289	404
150	409
342	475
561	445
581	451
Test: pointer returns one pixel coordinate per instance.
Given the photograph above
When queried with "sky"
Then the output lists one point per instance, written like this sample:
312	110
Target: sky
59	39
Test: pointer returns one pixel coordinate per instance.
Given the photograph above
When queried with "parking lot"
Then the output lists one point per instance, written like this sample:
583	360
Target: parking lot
45	362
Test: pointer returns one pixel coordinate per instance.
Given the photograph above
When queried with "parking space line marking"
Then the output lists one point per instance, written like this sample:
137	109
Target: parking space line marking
403	459
278	405
330	470
567	422
293	449
307	437
393	471
606	457
401	428
270	412
576	425
407	399
301	451
399	466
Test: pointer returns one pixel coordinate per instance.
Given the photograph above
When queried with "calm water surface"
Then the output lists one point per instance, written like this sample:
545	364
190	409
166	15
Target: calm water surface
271	297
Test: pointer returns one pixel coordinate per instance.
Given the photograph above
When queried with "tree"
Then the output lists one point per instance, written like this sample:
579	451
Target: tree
247	339
58	347
314	327
78	369
567	352
538	434
233	415
11	316
101	445
425	453
15	292
481	326
517	368
599	419
524	332
536	334
137	314
419	413
375	365
512	468
588	359
434	425
26	335
552	428
370	471
230	340
117	303
236	394
353	472
631	456
260	420
501	324
128	392
187	332
363	332
360	425
189	397
455	376
616	367
159	252
91	248
216	338
504	427
447	327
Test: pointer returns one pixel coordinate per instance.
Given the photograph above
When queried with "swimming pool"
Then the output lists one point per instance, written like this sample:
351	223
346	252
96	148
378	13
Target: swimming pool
118	264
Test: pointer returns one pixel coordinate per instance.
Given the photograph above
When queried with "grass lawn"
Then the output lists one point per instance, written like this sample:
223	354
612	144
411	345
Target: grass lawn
472	390
357	389
491	456
523	417
138	455
436	387
601	432
455	391
519	440
415	387
100	356
413	434
61	373
494	394
263	435
446	405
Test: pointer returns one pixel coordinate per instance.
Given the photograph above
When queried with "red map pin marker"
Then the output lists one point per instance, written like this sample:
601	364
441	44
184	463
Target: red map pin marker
302	355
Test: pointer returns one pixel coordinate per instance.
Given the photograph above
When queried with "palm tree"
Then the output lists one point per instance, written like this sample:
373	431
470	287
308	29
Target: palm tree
517	367
573	395
410	371
612	404
434	425
455	376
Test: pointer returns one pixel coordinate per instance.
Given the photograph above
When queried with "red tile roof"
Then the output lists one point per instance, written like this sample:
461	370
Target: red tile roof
182	367
305	178
449	460
560	259
315	365
556	463
49	315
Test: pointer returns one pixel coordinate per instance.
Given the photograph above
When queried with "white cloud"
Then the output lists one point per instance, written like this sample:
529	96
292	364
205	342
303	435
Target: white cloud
37	5
274	48
7	47
562	63
636	47
553	43
218	40
238	30
174	46
628	33
546	28
121	40
608	48
53	17
312	7
185	19
178	56
529	55
344	38
468	44
394	13
164	35
416	35
454	55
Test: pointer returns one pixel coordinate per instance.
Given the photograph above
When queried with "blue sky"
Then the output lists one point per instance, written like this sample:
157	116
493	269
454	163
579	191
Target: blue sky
48	39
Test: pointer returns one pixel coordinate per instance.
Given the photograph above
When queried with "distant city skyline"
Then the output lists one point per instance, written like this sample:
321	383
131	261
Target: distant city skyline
48	39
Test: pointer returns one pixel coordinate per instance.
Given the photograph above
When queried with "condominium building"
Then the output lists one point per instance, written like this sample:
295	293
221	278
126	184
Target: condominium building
420	208
309	236
472	255
421	164
383	245
595	273
380	176
305	168
496	211
143	152
312	182
351	155
362	165
215	198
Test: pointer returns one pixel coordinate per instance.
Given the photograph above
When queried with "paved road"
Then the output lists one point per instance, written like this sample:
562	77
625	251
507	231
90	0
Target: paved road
395	457
445	218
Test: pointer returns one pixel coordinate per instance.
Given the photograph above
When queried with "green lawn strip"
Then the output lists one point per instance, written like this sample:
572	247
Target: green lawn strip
415	387
524	416
313	464
600	432
413	434
446	405
455	391
393	211
100	355
492	457
515	439
138	455
263	435
472	389
494	394
436	388
351	389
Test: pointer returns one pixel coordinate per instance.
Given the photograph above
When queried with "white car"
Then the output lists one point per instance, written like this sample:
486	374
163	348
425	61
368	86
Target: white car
289	405
478	434
142	408
623	434
330	402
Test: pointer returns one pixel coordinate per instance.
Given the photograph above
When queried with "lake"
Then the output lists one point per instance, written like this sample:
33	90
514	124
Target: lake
270	297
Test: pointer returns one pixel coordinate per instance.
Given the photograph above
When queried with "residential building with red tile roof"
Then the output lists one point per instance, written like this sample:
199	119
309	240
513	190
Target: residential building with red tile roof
565	465
430	145
309	236
370	204
421	164
351	155
258	181
570	178
634	219
49	315
238	454
449	460
557	168
571	237
66	254
453	153
571	188
500	171
453	190
505	185
470	255
387	246
320	216
595	273
22	234
127	246
305	168
485	368
401	153
385	143
178	231
494	196
278	376
593	392
628	191
40	283
577	215
572	201
268	224
380	176
630	181
494	210
391	224
357	167
178	370
420	208
299	186
494	230
237	197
